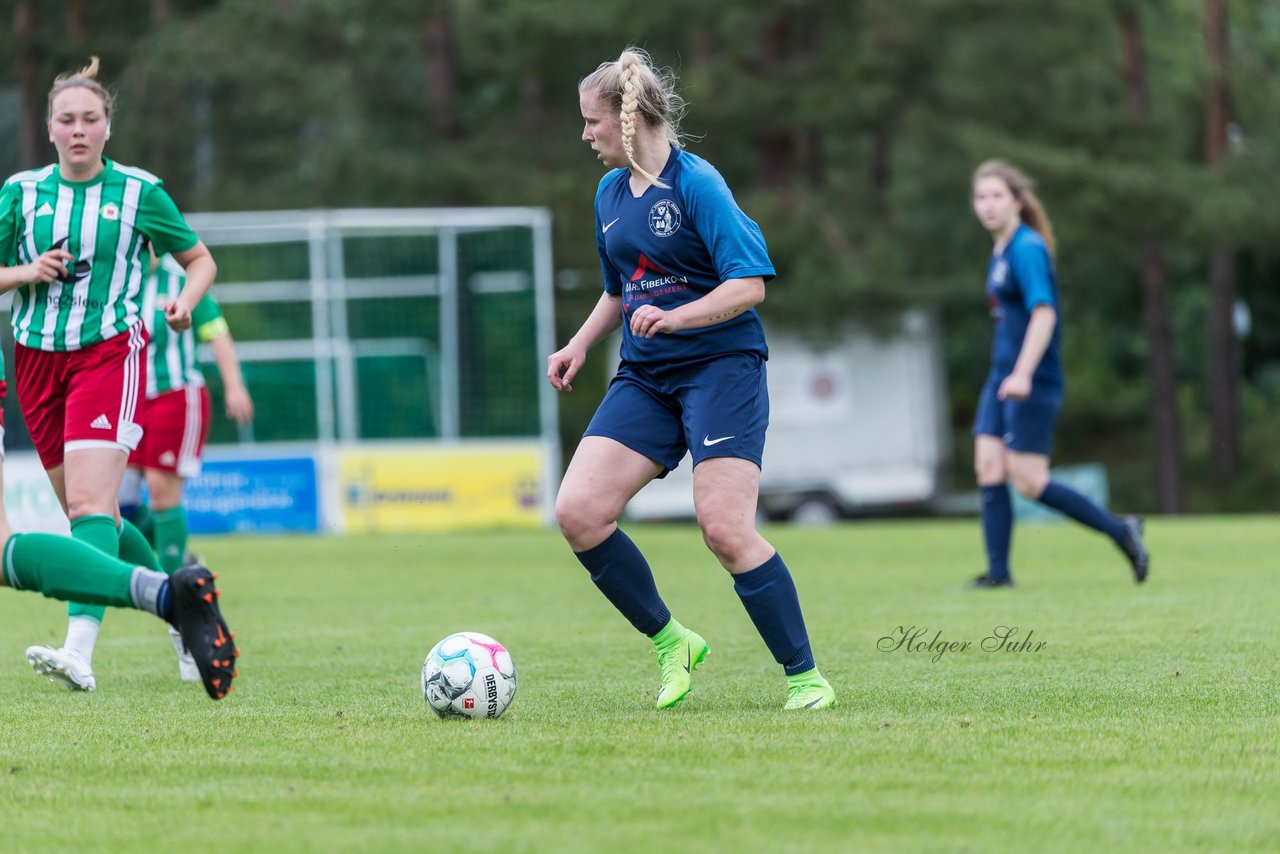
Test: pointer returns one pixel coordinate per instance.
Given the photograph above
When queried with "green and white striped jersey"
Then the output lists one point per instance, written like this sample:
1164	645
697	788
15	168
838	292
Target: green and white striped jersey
171	356
106	223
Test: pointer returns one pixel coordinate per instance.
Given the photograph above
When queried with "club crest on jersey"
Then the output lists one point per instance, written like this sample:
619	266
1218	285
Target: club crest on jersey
999	272
664	218
111	212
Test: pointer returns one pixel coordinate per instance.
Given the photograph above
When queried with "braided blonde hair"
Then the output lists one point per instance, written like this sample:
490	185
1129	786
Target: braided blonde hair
85	78
634	87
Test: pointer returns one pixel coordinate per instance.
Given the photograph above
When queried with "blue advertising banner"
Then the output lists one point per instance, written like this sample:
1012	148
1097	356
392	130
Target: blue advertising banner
254	495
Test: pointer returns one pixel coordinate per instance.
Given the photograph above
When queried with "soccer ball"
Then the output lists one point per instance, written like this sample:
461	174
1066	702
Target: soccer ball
468	675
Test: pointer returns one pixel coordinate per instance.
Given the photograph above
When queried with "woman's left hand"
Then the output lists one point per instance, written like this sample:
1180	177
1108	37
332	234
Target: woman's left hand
1015	387
649	320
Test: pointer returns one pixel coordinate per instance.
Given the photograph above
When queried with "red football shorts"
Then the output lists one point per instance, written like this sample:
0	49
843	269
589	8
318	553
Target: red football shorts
88	398
175	428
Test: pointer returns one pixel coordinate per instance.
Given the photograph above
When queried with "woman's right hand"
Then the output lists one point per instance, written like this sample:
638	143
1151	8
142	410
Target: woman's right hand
238	403
49	267
563	365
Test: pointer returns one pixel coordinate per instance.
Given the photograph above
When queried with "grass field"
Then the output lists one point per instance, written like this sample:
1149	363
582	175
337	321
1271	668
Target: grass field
1149	720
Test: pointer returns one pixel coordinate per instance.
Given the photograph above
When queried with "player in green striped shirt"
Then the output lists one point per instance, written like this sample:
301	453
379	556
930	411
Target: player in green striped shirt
63	568
74	243
176	421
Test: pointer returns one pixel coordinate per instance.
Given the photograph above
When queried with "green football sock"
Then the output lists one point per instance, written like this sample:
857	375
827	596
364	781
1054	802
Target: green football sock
63	568
171	537
143	519
99	532
135	549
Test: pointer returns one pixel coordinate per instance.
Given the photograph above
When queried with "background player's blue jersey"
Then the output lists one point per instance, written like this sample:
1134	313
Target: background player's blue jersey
672	246
1019	279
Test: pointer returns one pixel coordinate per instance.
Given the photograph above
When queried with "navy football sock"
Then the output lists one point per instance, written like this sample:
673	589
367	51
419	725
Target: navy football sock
769	595
997	529
1076	506
624	577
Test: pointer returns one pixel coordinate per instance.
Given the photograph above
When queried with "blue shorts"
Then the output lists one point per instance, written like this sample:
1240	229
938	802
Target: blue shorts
1026	426
716	408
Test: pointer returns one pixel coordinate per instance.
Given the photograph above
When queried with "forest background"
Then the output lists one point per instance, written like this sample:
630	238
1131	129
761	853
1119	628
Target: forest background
848	130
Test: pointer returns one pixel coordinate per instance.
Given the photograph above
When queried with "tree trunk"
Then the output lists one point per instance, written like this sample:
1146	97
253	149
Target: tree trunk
1224	393
1165	421
26	61
161	12
881	156
774	140
77	24
440	68
159	153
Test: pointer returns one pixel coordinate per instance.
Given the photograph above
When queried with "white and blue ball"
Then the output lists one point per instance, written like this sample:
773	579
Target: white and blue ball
469	675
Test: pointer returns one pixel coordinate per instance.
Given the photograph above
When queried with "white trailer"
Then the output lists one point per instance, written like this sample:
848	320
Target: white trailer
856	426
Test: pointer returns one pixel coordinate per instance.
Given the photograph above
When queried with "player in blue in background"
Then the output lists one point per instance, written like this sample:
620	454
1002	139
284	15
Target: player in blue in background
1019	405
683	269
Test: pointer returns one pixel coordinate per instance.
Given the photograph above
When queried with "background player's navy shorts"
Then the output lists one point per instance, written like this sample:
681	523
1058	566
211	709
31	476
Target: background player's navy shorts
716	408
1027	425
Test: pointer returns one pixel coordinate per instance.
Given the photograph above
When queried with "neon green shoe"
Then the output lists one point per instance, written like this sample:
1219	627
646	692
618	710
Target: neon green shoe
679	652
809	690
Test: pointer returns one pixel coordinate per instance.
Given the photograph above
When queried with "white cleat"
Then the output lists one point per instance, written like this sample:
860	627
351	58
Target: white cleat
187	669
62	665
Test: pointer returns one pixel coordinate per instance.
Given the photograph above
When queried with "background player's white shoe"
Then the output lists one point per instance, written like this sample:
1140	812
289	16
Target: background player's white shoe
62	665
186	664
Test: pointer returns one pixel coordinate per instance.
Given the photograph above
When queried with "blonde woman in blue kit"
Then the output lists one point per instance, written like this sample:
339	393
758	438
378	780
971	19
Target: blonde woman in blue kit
683	269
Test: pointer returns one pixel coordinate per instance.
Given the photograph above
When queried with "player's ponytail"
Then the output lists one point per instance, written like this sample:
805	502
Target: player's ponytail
633	87
86	78
1033	213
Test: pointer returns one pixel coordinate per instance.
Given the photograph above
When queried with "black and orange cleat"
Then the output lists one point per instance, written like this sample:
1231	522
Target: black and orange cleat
204	632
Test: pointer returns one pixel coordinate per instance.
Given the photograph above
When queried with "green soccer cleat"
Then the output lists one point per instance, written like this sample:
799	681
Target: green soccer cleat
809	690
677	657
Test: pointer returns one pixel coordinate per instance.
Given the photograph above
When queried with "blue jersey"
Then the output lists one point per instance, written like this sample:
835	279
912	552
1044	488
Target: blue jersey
672	246
1020	278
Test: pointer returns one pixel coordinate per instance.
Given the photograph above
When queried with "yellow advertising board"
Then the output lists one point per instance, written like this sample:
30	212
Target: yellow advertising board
442	487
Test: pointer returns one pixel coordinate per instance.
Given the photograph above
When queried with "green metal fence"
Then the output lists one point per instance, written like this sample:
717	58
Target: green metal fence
387	324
